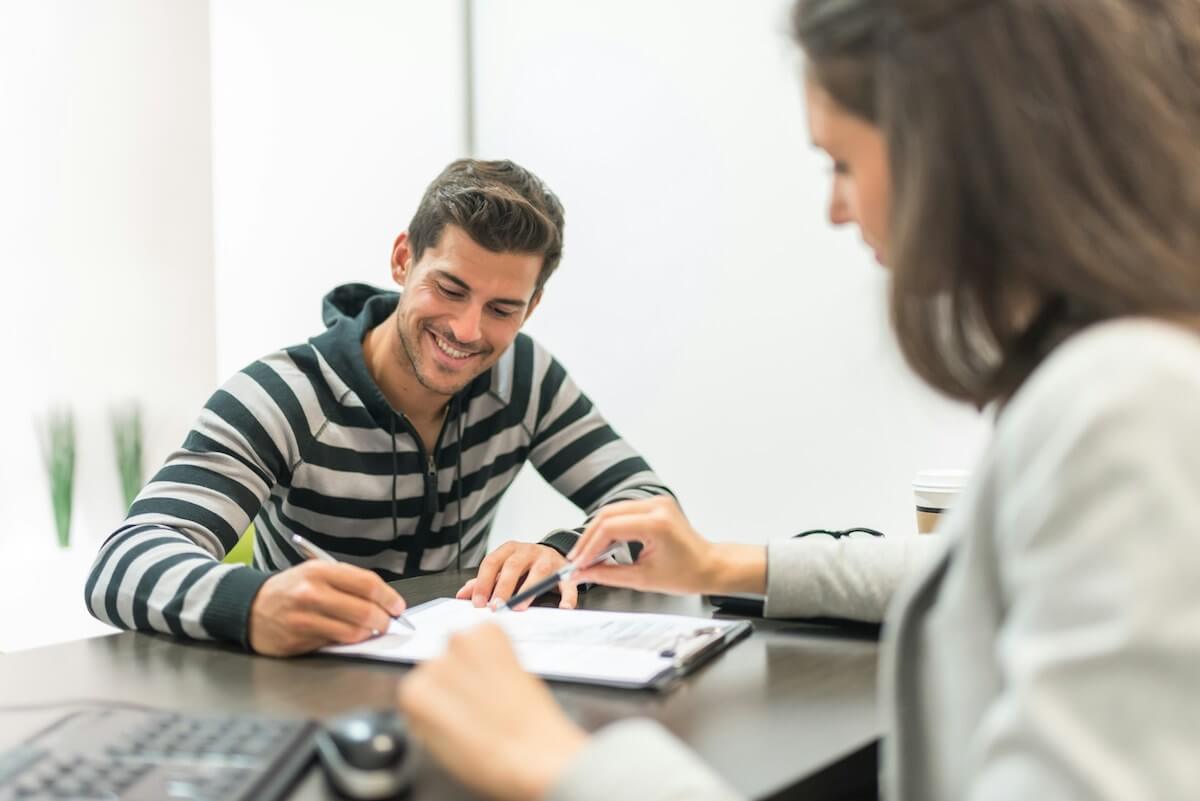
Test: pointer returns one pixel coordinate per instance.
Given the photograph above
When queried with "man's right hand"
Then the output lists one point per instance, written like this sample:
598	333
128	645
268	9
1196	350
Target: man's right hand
317	603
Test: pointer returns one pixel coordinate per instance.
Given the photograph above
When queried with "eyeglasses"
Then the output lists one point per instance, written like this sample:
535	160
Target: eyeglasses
839	534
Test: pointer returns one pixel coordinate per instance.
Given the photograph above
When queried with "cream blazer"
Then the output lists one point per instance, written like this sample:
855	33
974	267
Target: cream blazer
1045	644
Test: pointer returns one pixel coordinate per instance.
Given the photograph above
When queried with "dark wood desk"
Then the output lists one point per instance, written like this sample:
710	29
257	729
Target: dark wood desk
788	712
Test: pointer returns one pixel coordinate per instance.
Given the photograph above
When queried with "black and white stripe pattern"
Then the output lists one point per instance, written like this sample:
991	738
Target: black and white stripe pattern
289	444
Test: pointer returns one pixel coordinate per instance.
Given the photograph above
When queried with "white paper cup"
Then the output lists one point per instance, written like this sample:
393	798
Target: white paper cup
934	492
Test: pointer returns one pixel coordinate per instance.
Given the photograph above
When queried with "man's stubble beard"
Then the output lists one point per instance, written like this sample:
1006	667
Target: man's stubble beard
411	352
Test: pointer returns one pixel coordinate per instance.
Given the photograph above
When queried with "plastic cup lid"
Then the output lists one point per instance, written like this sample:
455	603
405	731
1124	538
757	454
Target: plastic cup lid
941	479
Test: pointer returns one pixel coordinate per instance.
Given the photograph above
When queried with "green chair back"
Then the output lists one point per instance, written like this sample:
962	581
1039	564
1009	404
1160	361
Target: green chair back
243	552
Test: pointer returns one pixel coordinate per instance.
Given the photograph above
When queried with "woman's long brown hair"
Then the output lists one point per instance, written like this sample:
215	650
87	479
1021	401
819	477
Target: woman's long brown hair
1045	160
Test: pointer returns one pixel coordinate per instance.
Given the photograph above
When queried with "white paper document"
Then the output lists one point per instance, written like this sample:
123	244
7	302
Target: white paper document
620	648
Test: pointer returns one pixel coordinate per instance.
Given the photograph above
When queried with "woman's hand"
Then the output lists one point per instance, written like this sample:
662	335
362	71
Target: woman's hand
674	557
493	726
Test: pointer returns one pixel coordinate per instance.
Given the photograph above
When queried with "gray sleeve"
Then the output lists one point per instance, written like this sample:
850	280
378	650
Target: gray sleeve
851	577
638	759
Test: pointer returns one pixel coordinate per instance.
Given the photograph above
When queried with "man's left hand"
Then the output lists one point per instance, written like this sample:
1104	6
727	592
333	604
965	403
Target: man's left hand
512	567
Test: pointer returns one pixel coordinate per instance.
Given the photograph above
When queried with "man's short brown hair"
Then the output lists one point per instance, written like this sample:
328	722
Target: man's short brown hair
502	206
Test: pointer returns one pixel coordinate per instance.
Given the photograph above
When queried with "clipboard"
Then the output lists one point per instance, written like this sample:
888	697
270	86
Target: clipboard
632	650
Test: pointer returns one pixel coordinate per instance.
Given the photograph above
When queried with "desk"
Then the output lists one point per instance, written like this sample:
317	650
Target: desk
789	711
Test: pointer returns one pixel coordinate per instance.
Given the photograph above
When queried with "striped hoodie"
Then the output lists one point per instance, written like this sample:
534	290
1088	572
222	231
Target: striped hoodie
303	441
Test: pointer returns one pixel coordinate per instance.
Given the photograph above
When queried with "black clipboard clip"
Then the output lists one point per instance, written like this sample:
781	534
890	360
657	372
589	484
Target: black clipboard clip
689	649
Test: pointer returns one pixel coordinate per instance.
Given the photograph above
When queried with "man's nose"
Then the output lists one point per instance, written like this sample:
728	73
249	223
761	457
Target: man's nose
466	325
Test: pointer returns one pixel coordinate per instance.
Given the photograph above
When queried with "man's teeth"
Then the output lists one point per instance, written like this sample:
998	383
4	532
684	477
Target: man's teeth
449	351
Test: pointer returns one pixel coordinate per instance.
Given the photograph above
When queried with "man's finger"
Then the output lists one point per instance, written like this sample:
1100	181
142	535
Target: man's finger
365	584
466	590
510	574
485	579
537	573
569	592
350	609
326	629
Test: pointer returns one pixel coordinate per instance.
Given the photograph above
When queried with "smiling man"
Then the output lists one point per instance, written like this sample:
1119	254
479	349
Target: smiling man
387	441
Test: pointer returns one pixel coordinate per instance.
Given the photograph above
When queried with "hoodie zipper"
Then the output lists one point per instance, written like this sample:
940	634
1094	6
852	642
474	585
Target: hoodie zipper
412	562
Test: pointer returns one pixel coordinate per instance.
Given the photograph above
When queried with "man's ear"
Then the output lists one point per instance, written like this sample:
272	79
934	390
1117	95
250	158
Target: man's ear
533	304
402	260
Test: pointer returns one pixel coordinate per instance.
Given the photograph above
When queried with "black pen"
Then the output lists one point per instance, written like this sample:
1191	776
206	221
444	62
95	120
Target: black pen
551	581
313	552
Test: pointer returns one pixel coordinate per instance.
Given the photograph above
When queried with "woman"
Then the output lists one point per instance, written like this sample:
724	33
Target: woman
1029	172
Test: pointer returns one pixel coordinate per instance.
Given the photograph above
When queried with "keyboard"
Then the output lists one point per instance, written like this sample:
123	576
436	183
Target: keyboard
142	755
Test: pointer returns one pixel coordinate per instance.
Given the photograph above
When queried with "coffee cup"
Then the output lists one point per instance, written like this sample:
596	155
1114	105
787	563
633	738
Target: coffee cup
935	492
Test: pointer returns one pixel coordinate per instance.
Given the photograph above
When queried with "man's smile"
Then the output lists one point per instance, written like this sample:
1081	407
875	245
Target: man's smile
450	352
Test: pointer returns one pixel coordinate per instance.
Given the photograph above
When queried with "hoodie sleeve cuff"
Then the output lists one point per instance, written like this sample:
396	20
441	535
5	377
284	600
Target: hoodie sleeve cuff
227	615
562	540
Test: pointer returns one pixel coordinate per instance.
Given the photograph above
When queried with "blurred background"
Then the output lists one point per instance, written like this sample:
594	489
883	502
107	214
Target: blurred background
182	180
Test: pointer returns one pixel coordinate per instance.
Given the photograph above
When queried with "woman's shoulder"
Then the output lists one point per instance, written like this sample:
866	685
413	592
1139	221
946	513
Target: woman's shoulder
1104	433
1128	366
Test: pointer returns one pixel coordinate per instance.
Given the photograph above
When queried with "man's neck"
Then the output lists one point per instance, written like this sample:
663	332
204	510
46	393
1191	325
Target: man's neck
392	372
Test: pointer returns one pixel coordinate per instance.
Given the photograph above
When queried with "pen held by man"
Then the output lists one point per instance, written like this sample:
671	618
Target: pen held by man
320	602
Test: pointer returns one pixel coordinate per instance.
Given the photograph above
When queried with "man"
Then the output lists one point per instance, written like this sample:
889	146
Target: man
387	440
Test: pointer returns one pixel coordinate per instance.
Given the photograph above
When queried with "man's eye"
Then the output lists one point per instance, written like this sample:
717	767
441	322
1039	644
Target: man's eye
841	168
502	313
450	293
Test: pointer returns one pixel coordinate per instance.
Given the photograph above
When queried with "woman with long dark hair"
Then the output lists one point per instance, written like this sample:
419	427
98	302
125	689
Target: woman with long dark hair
1029	172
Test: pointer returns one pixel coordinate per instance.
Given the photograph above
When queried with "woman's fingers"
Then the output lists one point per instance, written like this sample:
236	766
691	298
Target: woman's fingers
587	542
626	576
639	526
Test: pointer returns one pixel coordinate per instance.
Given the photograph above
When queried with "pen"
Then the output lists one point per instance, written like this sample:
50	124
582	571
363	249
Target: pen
313	552
551	581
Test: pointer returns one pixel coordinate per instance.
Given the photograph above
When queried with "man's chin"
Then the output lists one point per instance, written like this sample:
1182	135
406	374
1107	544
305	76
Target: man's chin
446	385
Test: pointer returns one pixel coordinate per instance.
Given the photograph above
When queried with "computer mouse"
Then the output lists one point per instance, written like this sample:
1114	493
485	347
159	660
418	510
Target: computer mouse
366	754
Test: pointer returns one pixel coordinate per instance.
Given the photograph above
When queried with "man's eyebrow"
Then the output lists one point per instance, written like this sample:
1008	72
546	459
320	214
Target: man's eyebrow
454	279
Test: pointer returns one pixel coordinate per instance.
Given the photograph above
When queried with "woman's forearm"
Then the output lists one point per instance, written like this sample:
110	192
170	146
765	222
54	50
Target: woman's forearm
735	567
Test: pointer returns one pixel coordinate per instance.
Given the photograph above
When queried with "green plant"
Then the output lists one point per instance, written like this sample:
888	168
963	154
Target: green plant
127	442
58	456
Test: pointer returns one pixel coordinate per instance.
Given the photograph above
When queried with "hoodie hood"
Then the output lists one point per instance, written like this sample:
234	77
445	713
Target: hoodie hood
349	301
349	312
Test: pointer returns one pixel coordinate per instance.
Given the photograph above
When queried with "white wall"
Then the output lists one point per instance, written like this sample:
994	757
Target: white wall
329	119
704	302
106	224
